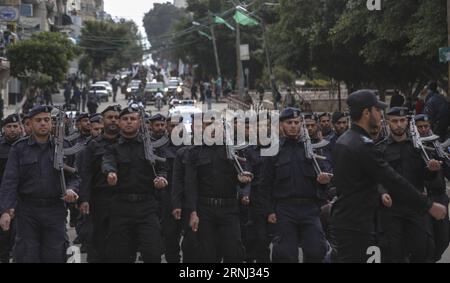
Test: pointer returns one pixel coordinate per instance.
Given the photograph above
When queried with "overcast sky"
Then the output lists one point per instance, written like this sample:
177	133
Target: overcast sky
131	9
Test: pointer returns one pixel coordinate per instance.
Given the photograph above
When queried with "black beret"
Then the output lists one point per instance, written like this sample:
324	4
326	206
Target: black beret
310	116
363	99
13	118
25	117
324	115
422	118
82	116
40	109
290	113
129	110
97	118
398	111
158	117
115	108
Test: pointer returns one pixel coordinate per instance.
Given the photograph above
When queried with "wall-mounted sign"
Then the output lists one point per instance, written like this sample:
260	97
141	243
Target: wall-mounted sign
8	14
245	52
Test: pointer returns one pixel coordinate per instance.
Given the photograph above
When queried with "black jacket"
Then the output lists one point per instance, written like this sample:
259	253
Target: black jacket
359	168
179	176
289	175
210	175
408	162
29	173
93	179
134	172
5	147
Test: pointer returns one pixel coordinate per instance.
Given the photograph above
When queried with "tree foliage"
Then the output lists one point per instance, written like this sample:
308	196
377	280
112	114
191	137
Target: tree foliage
43	59
110	46
342	40
160	22
392	48
194	48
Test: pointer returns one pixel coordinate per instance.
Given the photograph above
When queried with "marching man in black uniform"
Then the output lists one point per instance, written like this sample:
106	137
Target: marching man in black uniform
258	227
178	195
437	187
134	221
11	133
171	226
359	167
406	234
83	125
32	187
292	190
95	193
211	201
340	125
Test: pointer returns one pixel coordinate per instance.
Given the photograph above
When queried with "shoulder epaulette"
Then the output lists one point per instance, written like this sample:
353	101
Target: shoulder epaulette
367	140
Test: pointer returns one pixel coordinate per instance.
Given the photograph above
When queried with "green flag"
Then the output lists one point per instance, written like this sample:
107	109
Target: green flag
219	20
244	20
205	34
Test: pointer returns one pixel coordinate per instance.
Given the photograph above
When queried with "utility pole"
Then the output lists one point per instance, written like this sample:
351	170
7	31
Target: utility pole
216	54
266	47
213	39
240	68
269	64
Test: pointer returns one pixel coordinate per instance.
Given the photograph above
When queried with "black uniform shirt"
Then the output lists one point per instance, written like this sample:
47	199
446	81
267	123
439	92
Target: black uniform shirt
30	173
5	147
93	179
289	175
135	173
359	167
209	174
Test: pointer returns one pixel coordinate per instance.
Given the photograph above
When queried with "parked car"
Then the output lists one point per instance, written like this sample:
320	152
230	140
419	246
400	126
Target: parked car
107	85
101	92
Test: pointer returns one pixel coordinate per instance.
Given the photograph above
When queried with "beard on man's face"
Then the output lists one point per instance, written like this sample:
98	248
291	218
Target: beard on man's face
374	123
112	129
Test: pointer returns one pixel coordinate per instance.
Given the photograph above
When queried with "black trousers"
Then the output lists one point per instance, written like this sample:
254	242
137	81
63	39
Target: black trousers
219	234
41	233
171	230
134	226
244	223
350	246
7	239
405	237
298	223
99	213
258	236
441	229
